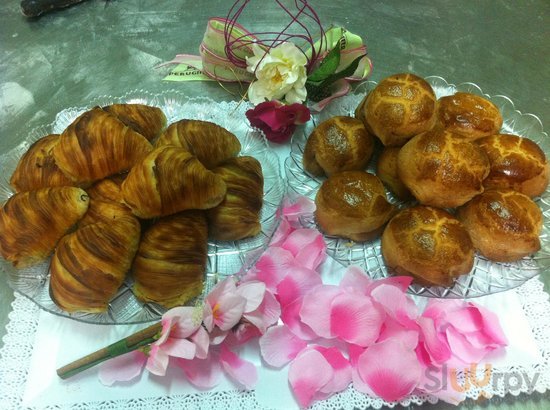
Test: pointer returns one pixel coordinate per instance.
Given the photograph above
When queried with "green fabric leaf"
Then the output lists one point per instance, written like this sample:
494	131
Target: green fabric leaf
346	72
328	66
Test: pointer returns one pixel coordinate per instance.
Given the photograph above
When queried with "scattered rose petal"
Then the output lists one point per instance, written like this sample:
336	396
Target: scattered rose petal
297	283
279	346
390	369
267	313
308	373
316	310
122	368
291	316
203	373
242	371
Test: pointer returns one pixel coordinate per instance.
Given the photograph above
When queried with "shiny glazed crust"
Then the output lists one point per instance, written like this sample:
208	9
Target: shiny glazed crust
338	144
516	163
353	205
442	170
399	107
144	119
504	225
468	115
386	170
428	244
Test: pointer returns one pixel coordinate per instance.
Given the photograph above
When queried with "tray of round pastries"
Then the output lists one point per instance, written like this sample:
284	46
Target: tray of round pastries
442	182
127	206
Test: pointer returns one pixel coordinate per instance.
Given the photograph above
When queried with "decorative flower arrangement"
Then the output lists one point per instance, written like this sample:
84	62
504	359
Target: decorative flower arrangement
362	332
287	81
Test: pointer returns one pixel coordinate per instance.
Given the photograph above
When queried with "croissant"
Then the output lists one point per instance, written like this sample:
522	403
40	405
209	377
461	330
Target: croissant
31	223
238	215
147	120
171	259
37	168
209	142
97	145
106	203
170	180
90	264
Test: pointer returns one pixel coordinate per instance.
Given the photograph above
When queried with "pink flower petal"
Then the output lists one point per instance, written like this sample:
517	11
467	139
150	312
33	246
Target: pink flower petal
266	314
242	371
203	373
436	346
309	372
241	334
396	304
491	325
228	310
279	346
292	211
217	336
157	362
122	368
312	254
290	316
208	317
280	234
253	292
355	278
390	369
297	283
184	321
355	319
341	367
394	330
201	338
179	348
301	238
272	267
400	282
462	349
316	309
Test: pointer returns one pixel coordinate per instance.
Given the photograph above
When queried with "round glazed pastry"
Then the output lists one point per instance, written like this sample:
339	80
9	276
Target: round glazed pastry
338	144
442	170
428	244
386	170
353	205
516	163
468	115
504	225
398	108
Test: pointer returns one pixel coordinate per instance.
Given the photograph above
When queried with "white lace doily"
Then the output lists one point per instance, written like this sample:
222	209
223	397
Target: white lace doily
15	358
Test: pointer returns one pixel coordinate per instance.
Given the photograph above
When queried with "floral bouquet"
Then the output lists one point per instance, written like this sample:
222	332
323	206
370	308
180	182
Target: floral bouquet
289	73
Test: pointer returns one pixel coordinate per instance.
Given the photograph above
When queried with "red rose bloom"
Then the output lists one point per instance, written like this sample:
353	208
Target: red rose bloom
276	120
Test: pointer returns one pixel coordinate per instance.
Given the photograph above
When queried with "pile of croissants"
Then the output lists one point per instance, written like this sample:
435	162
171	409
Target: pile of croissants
118	193
464	186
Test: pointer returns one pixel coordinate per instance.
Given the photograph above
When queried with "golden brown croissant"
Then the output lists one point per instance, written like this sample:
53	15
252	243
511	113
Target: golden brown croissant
170	263
170	180
147	120
90	264
97	145
37	168
238	215
338	144
106	203
209	142
31	223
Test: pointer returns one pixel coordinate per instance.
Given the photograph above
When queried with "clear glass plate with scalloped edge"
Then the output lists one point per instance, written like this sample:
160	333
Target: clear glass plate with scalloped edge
486	277
224	258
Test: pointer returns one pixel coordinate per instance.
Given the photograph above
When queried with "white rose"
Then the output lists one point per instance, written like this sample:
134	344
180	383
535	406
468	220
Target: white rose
281	74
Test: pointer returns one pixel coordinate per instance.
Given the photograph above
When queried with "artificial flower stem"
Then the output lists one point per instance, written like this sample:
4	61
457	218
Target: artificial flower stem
133	342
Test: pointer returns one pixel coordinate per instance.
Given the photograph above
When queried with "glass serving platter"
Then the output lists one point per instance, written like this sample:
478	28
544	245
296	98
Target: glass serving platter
224	257
486	277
